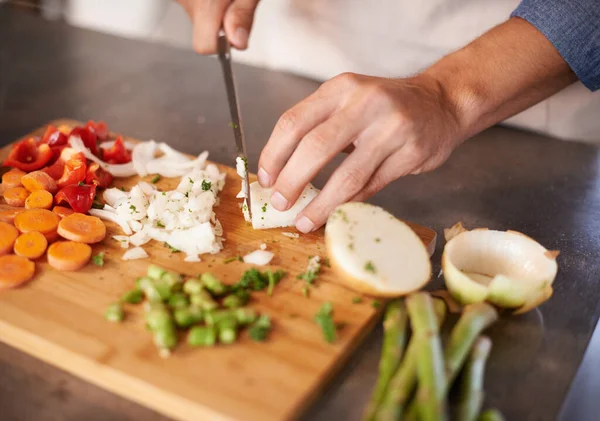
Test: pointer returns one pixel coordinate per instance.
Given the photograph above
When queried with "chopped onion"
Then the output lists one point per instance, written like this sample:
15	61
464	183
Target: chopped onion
141	155
135	253
291	234
263	246
123	239
117	170
259	257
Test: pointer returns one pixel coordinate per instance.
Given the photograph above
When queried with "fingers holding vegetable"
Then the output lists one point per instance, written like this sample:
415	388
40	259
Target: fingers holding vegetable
392	128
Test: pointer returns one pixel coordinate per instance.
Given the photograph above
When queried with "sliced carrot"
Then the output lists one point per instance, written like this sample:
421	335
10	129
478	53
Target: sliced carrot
12	178
16	196
69	255
62	211
31	245
82	228
8	213
15	270
39	199
8	235
40	220
39	180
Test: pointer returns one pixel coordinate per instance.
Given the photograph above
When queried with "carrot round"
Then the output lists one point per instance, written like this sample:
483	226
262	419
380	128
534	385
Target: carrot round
12	178
8	213
69	255
39	199
16	196
82	228
31	245
62	211
15	270
40	220
8	235
39	180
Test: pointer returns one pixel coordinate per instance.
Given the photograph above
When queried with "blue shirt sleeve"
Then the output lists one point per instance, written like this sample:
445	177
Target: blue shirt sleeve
573	27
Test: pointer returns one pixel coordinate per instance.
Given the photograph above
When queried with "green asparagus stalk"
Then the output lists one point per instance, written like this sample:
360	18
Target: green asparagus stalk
245	316
162	326
233	301
188	316
134	296
193	286
148	287
213	284
202	336
491	415
178	300
204	300
155	272
213	318
114	313
227	330
394	340
431	395
475	318
404	380
472	393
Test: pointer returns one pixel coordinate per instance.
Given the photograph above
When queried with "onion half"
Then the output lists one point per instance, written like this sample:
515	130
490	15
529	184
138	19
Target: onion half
505	268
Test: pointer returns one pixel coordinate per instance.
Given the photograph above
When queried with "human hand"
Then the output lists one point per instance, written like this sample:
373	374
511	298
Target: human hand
208	16
396	126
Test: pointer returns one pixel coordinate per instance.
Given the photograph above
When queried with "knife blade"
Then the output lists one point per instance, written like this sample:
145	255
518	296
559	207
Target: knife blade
224	49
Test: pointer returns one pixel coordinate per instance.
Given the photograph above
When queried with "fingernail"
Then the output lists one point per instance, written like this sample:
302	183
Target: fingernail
263	178
279	202
304	225
241	37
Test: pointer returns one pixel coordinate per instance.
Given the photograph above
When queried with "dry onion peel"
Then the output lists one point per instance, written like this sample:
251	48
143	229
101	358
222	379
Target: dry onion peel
505	268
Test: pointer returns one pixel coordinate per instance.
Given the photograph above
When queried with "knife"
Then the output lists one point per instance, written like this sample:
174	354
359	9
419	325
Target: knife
224	50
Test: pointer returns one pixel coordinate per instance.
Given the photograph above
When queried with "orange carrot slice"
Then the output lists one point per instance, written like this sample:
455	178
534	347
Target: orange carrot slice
12	178
8	213
15	270
8	235
16	196
69	255
40	220
82	228
39	199
62	211
31	245
39	180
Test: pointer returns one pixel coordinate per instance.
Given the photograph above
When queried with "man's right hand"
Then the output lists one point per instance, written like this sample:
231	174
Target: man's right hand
208	16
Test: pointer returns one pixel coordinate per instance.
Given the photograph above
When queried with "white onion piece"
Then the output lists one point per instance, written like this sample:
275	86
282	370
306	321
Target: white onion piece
113	217
117	170
139	238
291	234
135	253
270	217
259	257
141	155
110	143
263	246
114	196
123	240
374	252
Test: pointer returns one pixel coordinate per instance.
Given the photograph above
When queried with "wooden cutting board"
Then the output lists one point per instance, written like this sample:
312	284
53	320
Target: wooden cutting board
58	317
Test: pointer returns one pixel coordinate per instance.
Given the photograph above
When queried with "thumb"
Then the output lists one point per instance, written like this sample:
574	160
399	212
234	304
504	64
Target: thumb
238	22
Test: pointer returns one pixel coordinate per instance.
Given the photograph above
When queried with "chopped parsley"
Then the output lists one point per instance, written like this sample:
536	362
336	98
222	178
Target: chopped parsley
378	240
191	181
160	224
122	188
312	270
155	179
324	318
369	267
232	125
272	281
375	304
97	205
164	193
171	248
245	207
98	259
356	300
206	185
133	209
233	259
264	207
81	183
260	328
255	280
351	246
305	291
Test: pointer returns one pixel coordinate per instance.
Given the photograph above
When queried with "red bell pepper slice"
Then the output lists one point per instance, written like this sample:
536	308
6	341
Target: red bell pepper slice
98	176
99	128
74	170
88	138
28	156
57	168
53	137
117	153
79	196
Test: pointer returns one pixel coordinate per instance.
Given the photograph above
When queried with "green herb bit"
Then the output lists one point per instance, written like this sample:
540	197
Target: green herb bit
272	281
369	267
114	313
171	249
81	183
375	304
324	319
264	207
97	204
132	208
206	185
233	259
159	224
155	179
134	296
122	188
187	194
305	291
357	300
260	328
98	259
232	125
190	180
378	240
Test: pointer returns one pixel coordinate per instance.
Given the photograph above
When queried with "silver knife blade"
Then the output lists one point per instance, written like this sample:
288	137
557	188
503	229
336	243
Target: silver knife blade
224	50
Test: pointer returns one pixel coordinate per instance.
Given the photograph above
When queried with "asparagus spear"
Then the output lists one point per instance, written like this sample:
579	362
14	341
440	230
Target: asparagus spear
491	415
213	284
475	318
431	396
404	380
472	392
394	340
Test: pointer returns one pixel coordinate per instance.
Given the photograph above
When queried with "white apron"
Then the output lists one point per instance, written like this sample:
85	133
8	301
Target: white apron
322	38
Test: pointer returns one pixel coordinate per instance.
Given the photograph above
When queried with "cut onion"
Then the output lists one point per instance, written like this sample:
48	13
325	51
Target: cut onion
135	253
259	257
141	155
123	239
374	252
505	268
117	170
291	234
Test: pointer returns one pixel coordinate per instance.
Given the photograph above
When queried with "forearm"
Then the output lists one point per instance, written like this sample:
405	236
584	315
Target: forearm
503	72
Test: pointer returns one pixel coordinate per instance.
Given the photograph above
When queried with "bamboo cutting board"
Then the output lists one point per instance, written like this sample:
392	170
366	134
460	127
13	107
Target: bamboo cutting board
58	317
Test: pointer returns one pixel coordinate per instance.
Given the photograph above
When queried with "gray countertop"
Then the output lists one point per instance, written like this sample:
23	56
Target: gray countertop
502	178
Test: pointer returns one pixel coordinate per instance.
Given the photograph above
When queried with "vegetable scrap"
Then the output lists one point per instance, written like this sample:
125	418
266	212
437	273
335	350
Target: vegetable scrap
324	318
